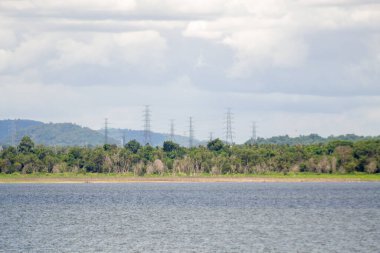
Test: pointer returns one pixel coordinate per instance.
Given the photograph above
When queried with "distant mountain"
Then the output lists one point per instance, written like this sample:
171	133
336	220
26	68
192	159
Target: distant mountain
309	139
68	134
9	127
60	134
157	138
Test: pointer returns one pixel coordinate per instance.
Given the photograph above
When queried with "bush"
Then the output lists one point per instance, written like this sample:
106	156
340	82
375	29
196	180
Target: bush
139	169
372	167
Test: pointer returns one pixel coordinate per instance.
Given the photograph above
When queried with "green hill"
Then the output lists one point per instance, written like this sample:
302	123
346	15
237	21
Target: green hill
68	134
309	139
157	138
10	127
60	134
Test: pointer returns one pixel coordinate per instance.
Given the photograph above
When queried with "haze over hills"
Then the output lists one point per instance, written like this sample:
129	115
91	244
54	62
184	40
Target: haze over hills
9	126
60	134
69	134
310	139
157	138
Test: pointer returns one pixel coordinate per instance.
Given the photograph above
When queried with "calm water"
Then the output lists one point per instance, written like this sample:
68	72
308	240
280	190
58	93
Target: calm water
194	217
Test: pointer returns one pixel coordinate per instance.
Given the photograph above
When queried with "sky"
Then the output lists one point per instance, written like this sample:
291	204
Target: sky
292	66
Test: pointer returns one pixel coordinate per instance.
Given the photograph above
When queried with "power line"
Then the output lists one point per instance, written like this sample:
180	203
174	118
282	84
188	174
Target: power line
191	132
172	129
13	133
253	138
147	133
123	140
105	131
229	132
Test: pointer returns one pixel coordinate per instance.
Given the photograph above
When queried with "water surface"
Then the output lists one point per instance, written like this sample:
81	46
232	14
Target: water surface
190	217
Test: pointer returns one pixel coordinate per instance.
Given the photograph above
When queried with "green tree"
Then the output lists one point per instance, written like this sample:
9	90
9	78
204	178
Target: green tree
170	146
26	145
215	145
146	153
133	145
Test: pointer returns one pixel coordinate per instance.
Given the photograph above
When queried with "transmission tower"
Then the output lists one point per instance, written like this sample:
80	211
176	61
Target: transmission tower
147	135
229	133
253	138
13	133
123	140
172	130
211	136
191	132
105	131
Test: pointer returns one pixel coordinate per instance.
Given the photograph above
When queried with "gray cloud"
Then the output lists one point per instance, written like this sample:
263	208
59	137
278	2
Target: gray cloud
303	62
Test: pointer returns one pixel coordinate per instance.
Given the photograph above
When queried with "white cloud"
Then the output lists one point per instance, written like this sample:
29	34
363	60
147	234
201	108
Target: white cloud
374	46
5	56
46	6
200	29
365	72
185	7
23	100
336	2
27	53
8	39
105	49
262	48
292	64
51	50
270	33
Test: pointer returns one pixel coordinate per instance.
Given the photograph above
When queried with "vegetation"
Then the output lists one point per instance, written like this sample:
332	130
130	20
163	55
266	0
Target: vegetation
68	134
216	158
60	134
310	139
42	177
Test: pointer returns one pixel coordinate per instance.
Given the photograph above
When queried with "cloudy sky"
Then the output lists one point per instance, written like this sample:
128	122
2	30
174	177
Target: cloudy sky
293	66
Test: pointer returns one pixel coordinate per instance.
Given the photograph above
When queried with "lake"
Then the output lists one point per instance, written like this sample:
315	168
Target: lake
190	217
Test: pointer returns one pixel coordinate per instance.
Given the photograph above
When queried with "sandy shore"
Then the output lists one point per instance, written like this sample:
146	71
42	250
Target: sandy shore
173	180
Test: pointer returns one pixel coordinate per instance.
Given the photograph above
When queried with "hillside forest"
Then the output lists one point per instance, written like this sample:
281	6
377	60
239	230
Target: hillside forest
215	158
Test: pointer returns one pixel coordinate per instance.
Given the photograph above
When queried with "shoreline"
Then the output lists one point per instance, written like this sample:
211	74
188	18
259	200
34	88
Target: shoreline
180	179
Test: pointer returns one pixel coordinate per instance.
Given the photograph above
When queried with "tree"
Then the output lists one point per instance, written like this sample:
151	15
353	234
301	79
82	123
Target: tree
215	145
146	153
345	158
26	145
170	146
172	150
108	147
216	158
133	146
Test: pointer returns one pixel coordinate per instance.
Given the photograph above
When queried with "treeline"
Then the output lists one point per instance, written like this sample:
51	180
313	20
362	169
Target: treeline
214	158
69	134
50	134
311	139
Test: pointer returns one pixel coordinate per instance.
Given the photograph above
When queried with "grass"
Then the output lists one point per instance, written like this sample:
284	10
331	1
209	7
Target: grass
64	175
305	175
130	176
